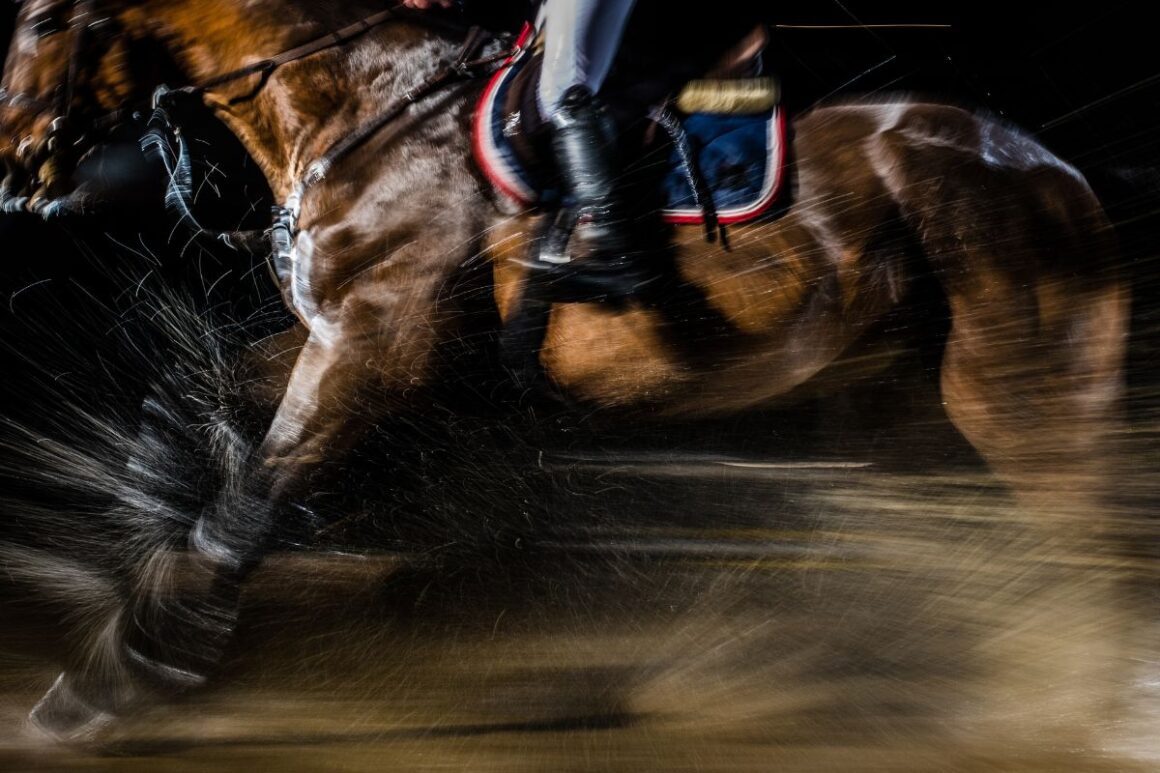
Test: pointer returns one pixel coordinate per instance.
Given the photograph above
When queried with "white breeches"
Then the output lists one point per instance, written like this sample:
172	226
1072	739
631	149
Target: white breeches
581	38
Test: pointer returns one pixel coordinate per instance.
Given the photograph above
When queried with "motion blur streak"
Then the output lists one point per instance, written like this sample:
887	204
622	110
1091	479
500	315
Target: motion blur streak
666	611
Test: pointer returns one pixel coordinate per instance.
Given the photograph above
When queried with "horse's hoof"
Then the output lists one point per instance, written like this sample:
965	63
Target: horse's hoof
65	717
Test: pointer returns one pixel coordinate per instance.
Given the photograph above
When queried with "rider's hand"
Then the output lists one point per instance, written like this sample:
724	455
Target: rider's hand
425	4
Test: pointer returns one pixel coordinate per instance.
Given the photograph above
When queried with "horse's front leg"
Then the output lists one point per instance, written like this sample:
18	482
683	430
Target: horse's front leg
180	447
334	393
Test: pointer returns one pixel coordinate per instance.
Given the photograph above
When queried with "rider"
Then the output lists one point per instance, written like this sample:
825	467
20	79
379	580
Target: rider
581	40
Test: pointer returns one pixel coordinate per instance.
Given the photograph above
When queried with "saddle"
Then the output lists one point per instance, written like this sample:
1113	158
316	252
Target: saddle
715	151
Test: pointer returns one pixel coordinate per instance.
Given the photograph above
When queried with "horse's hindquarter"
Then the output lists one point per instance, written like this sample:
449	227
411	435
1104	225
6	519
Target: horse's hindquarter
756	320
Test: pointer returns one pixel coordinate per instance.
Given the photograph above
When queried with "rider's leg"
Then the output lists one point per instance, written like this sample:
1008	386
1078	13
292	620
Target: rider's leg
581	41
581	38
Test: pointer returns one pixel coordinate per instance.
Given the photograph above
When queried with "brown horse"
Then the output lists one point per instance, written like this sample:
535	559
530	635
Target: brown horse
884	194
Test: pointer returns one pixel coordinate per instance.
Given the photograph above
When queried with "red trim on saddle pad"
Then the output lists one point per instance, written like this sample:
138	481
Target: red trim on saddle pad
496	174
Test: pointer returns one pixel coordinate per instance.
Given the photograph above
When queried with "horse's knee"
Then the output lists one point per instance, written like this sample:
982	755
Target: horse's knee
1041	407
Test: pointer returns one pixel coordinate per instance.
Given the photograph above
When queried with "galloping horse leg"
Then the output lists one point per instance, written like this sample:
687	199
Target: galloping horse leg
179	642
157	498
370	354
1027	258
172	435
1032	372
1032	377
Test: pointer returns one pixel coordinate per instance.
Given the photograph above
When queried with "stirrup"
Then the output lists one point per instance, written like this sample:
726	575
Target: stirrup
553	275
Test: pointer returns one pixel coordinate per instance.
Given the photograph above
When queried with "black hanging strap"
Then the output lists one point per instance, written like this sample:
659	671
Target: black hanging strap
702	195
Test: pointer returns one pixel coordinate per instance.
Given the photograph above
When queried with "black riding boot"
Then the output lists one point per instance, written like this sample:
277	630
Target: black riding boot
608	267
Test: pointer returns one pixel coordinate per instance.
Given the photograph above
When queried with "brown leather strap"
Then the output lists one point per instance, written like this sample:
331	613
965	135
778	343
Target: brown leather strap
464	67
330	40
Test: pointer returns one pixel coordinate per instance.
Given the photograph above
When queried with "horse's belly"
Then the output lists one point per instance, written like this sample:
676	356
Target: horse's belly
633	360
755	322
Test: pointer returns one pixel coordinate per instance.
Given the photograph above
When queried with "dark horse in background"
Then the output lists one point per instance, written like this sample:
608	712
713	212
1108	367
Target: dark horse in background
885	194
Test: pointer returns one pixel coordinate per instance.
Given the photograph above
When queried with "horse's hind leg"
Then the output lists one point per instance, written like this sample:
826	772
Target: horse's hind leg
1032	378
1028	261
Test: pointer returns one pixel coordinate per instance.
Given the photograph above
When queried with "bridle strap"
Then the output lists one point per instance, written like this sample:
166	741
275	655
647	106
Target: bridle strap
66	109
63	107
463	68
82	10
62	102
164	138
84	16
330	40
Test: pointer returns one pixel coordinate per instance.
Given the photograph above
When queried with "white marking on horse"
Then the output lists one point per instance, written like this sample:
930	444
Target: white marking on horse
1009	148
301	291
889	115
28	44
